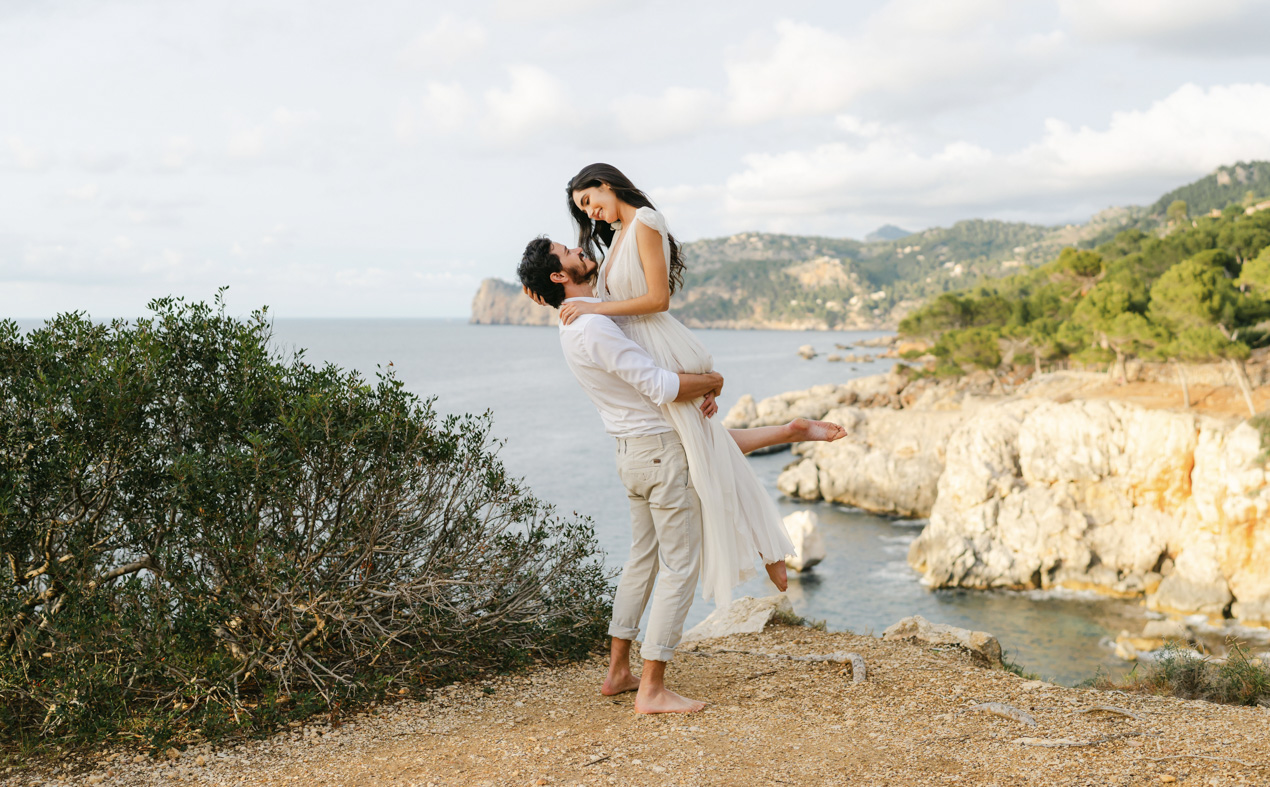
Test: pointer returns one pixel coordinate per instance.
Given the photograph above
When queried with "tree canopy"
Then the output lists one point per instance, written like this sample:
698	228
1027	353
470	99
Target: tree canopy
1198	293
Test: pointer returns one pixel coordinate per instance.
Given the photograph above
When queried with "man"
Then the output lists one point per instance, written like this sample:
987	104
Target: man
628	389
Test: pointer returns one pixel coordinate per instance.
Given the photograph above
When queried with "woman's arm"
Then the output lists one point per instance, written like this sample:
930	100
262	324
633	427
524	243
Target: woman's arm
656	277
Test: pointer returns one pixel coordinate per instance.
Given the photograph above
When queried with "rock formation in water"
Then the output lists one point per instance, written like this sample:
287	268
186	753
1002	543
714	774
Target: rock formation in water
501	303
1026	491
1108	496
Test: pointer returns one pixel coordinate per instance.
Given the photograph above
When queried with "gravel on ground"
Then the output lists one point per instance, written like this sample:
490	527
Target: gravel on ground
913	721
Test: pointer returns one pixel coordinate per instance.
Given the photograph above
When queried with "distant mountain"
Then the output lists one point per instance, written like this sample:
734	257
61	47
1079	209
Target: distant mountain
763	280
1232	183
886	232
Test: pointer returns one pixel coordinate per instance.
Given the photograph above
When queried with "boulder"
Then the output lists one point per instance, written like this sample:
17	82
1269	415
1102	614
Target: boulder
889	463
746	615
807	351
809	545
801	480
1167	630
1180	595
979	643
743	414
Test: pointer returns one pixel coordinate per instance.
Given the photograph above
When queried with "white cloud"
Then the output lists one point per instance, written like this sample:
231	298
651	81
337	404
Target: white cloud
1220	27
850	124
677	111
85	193
246	143
1138	153
535	102
177	154
910	54
25	157
448	279
445	108
450	40
274	136
937	17
527	10
98	161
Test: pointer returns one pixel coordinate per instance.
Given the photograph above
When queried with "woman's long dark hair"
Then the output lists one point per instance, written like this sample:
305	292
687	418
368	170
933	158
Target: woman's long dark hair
595	237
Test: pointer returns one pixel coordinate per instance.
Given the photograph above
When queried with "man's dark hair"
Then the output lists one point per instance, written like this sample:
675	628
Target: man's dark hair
535	270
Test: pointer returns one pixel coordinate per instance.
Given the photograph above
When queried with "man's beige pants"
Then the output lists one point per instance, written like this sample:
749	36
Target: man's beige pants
666	541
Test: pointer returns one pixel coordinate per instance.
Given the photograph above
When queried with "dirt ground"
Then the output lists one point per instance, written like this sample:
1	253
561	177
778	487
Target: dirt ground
1221	400
770	722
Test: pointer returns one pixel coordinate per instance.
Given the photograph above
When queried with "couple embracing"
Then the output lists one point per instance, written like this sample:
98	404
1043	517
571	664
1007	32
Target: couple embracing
698	511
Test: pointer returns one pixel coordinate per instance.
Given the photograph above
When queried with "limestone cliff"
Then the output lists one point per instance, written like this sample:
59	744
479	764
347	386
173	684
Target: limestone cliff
500	303
1109	496
1025	491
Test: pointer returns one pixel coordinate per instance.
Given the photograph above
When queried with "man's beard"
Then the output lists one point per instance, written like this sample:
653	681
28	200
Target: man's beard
584	277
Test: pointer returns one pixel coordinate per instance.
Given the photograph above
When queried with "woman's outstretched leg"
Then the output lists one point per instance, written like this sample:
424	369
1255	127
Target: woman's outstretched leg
799	430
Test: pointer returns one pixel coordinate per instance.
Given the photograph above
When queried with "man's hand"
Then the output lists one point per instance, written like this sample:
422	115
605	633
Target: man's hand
695	386
537	298
709	407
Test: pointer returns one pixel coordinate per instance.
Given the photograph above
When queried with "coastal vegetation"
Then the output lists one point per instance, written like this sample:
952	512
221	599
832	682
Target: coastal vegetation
201	537
1238	679
1197	292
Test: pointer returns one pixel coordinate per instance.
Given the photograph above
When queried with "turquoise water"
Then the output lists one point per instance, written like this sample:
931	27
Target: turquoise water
553	437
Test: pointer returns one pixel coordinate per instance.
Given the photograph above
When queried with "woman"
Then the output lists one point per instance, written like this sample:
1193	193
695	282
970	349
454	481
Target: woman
642	266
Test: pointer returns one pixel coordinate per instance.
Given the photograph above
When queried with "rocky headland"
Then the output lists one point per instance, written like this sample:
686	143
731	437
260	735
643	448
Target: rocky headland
1063	481
501	303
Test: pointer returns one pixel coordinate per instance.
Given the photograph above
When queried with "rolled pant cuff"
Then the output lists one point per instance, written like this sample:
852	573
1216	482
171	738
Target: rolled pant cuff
656	652
623	632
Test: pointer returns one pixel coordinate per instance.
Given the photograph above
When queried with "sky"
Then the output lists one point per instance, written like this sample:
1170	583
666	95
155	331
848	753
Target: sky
340	159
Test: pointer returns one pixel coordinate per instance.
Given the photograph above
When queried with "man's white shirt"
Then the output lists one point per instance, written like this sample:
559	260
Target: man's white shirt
619	376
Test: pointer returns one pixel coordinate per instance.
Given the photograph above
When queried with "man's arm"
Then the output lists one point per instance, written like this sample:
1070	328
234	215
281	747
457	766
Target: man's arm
611	350
692	386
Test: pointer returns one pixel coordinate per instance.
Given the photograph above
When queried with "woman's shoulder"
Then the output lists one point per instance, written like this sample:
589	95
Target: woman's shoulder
652	217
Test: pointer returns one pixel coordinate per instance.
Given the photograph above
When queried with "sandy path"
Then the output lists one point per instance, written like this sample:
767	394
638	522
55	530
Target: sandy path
771	722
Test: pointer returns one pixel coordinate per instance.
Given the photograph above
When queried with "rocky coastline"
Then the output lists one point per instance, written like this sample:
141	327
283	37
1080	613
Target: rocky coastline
1036	484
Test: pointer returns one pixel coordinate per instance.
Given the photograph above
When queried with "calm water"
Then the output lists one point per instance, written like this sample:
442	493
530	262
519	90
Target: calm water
554	438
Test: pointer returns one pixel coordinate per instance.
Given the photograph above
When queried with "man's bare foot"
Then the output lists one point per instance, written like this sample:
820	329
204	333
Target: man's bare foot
619	684
778	574
665	701
802	430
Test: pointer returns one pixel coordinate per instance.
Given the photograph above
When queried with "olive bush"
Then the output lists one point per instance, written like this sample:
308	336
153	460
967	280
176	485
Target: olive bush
201	536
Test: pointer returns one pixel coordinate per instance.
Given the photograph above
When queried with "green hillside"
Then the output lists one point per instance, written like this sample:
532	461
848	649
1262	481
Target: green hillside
1199	292
761	279
1226	185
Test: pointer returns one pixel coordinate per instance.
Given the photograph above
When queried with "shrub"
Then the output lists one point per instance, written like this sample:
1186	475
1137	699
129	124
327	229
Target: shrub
200	536
1235	681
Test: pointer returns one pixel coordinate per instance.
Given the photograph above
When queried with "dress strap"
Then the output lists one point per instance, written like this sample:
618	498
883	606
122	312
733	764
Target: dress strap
652	218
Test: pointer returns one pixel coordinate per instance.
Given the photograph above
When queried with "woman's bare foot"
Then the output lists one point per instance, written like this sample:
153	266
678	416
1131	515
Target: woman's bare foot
778	574
802	430
665	701
619	683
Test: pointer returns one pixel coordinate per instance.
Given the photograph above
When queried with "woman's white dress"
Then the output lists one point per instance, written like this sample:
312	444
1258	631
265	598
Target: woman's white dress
739	518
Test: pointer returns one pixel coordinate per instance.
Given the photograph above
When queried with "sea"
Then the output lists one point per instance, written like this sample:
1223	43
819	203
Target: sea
552	437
